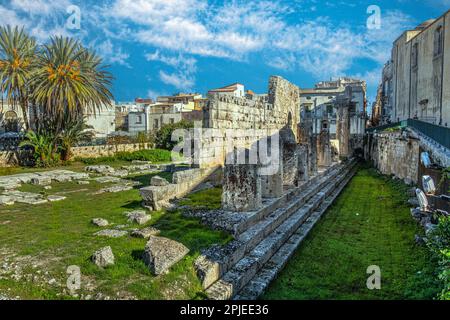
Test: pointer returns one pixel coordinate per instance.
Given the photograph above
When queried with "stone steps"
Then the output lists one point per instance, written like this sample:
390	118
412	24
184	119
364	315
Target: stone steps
220	260
267	237
273	204
260	282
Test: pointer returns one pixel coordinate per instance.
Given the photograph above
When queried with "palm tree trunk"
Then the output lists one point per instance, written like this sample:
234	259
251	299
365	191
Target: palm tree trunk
24	105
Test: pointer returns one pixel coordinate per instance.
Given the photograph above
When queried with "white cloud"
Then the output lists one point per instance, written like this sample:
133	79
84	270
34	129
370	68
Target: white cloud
40	7
178	80
183	30
111	53
10	17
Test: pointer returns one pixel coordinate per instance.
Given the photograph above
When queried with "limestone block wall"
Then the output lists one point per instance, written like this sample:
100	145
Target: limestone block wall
158	197
105	150
394	154
255	119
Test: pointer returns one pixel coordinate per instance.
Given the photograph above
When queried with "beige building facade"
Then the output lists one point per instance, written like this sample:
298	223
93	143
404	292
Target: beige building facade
421	73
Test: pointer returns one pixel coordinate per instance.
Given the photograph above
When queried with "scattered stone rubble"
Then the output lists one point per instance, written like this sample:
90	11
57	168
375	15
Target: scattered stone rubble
40	178
111	233
55	198
139	216
157	181
103	257
99	222
162	253
145	233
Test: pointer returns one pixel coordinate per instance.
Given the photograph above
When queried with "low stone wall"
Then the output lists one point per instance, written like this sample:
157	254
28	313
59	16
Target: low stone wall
395	154
8	159
158	197
106	150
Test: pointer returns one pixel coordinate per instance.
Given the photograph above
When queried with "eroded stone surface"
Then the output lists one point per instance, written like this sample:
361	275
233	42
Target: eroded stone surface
162	253
145	233
241	188
55	198
158	181
103	257
138	216
99	222
101	169
110	233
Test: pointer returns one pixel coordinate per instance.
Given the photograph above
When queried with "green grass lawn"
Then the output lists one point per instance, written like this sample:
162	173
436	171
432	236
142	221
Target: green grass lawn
369	224
50	237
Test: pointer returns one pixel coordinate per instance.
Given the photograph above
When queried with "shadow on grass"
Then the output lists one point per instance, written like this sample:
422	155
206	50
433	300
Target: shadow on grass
134	205
137	255
145	179
189	231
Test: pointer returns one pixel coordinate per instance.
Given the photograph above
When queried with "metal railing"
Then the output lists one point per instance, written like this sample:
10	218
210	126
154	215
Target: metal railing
439	134
435	132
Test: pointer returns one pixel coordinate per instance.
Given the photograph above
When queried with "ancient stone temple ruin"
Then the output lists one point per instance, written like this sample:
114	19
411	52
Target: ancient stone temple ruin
277	178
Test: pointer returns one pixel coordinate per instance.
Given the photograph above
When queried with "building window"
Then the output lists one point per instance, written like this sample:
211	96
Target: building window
155	124
138	119
415	55
308	98
438	41
172	120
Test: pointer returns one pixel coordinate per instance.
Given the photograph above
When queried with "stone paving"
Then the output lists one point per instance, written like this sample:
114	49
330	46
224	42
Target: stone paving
12	182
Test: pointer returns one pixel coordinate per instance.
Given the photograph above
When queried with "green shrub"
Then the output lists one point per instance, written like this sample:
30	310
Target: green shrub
154	155
439	244
163	137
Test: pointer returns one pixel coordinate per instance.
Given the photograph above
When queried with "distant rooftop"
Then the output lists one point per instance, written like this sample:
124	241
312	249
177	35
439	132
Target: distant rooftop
230	88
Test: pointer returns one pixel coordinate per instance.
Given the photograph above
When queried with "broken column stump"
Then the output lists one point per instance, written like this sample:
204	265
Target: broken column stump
241	187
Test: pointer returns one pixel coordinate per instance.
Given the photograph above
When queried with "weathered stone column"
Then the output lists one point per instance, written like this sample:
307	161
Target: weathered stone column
313	155
308	138
343	130
324	146
241	187
303	163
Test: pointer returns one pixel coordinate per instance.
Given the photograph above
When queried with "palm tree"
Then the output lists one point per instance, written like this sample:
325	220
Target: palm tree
75	131
17	52
69	80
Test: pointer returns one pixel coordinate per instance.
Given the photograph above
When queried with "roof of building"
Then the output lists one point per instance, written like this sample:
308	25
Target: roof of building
230	88
425	24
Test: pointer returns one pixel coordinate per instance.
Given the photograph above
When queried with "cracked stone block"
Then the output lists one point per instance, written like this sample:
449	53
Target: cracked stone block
99	222
241	187
55	198
162	253
115	189
145	233
158	181
140	217
120	173
110	233
101	169
108	179
7	201
103	257
41	181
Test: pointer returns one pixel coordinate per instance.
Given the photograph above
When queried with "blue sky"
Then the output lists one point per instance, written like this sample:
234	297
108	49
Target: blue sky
158	47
